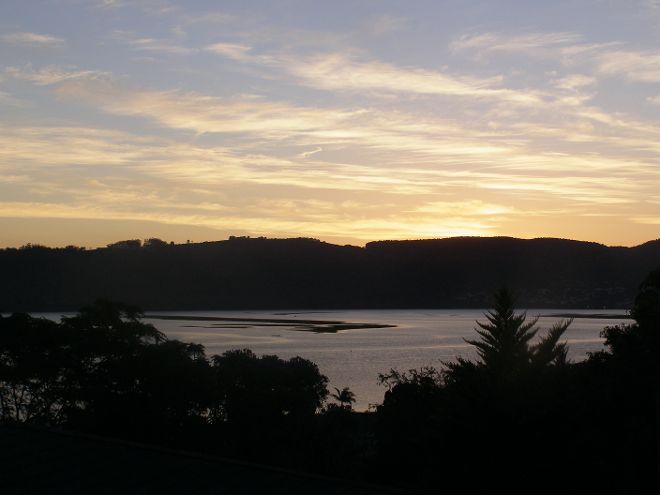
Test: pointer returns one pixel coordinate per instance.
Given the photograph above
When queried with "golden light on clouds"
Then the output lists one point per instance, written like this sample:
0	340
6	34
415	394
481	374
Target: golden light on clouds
350	133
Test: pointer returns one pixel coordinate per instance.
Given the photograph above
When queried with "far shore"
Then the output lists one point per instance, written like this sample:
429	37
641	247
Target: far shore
600	316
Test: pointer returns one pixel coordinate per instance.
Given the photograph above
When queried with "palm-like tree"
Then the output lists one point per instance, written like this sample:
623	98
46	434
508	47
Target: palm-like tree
345	397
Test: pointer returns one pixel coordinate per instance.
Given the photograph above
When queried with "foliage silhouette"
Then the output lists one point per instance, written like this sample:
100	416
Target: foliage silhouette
32	359
624	381
504	347
518	405
106	371
345	397
252	388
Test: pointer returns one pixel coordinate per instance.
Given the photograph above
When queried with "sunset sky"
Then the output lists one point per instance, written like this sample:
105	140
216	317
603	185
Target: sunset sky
347	121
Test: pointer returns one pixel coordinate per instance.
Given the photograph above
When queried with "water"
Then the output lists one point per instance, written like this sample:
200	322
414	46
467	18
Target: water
353	358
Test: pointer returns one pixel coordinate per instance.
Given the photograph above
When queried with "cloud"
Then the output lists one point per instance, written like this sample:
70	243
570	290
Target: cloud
151	7
520	43
156	45
639	66
50	75
151	44
575	82
77	172
565	120
235	51
566	48
569	49
340	72
307	154
654	100
262	119
201	113
464	208
257	121
32	39
260	148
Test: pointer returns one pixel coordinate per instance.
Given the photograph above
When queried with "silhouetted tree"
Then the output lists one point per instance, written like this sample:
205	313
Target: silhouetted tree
154	243
103	370
345	397
252	388
637	344
622	390
33	358
493	406
504	347
127	244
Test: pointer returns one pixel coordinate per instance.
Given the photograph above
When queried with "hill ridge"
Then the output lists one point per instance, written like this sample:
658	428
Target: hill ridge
305	273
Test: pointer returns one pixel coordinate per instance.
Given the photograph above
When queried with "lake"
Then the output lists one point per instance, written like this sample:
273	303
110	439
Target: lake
353	358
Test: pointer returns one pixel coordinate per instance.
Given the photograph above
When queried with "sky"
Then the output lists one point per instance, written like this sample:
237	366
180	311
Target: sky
347	121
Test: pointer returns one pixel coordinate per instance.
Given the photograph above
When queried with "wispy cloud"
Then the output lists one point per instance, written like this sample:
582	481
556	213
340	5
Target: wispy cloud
574	82
641	66
307	154
235	51
262	120
366	123
654	220
32	39
341	72
522	43
50	75
152	44
151	7
464	208
569	49
72	172
156	45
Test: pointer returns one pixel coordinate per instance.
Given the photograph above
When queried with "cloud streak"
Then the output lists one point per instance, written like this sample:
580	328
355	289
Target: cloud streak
519	43
32	39
339	72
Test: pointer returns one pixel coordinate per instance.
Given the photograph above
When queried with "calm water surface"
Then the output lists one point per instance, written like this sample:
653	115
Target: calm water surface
353	358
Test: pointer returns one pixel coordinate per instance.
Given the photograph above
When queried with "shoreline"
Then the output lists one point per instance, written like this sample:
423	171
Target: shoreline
595	316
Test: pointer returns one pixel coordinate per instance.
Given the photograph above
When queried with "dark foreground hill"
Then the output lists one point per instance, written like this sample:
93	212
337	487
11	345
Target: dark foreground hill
260	273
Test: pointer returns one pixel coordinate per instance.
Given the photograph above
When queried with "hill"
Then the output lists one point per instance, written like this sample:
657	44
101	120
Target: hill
301	273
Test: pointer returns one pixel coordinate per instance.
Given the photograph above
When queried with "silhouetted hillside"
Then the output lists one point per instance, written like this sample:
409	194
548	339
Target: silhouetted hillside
243	273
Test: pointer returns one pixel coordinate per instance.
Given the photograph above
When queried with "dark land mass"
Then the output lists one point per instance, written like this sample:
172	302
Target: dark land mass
260	273
600	316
